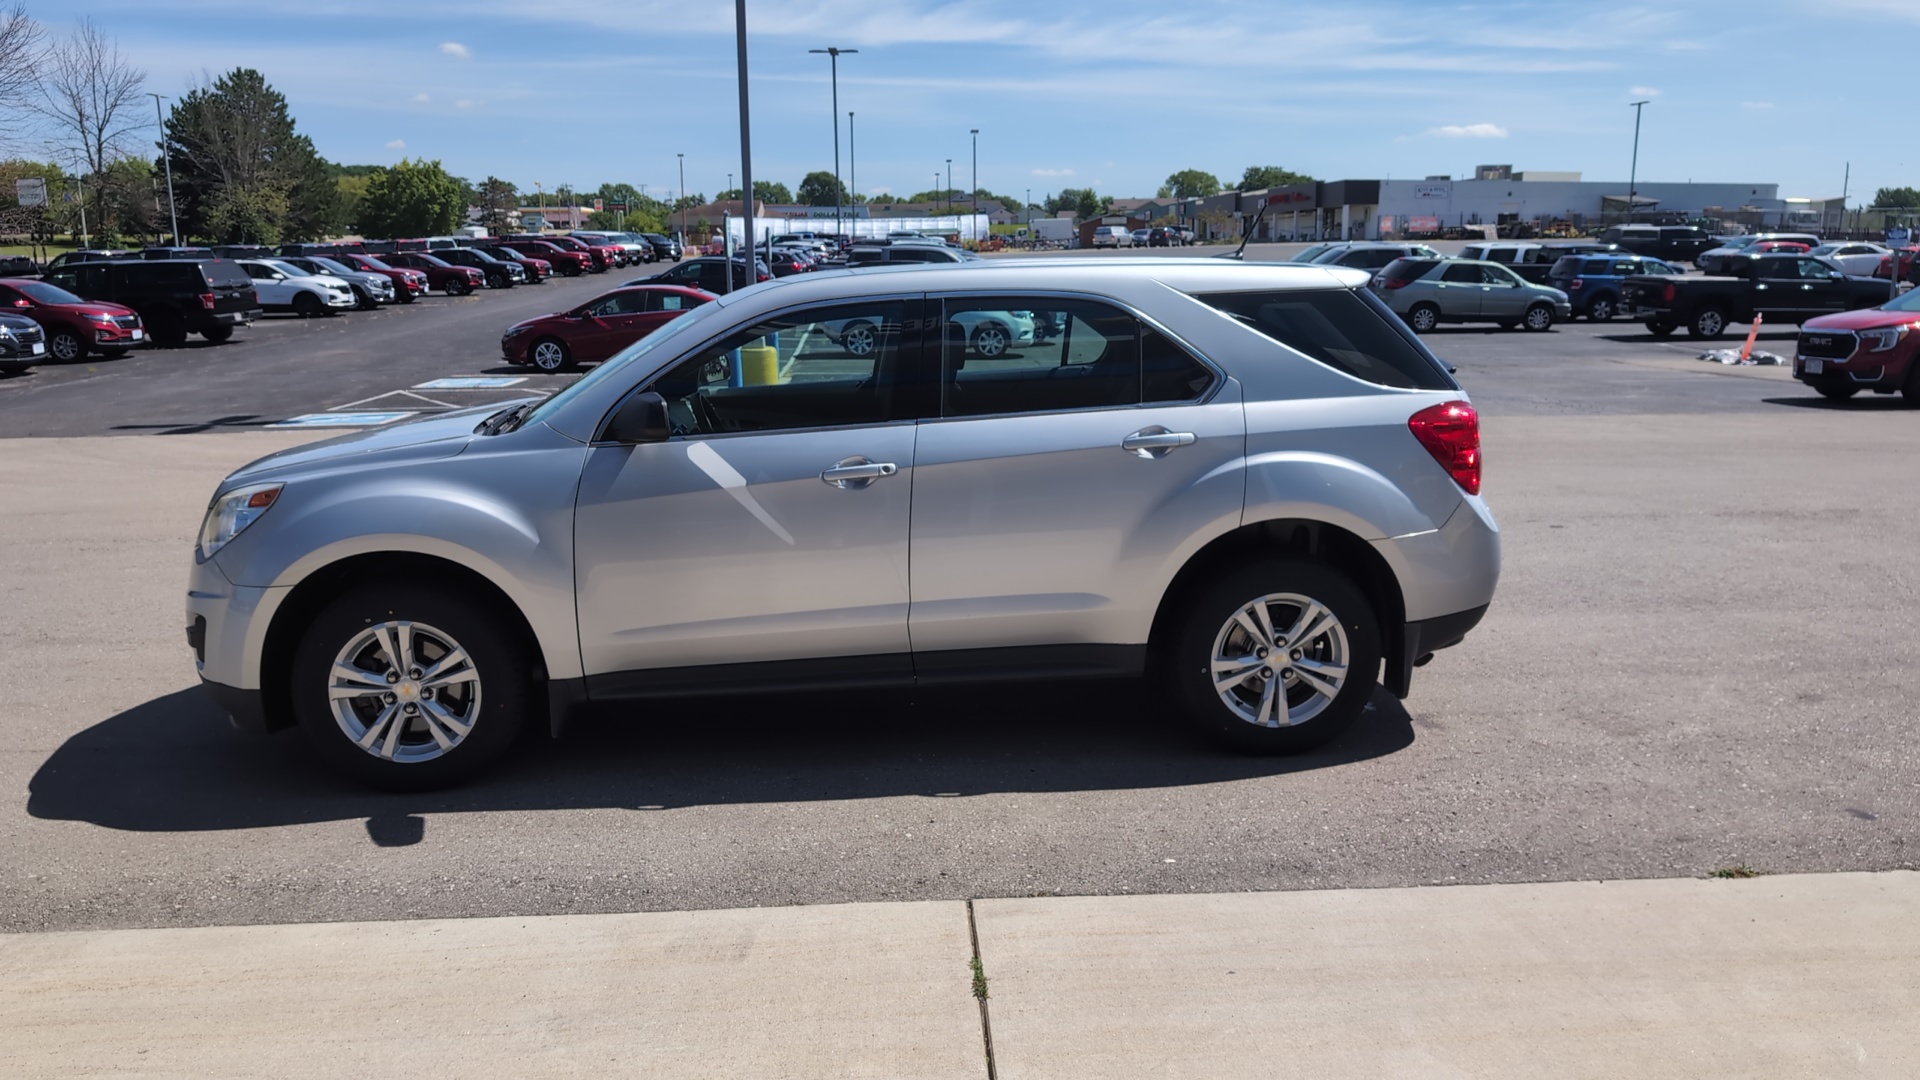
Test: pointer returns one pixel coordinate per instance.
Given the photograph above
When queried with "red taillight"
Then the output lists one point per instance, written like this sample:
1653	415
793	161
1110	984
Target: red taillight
206	300
1397	283
1670	293
1576	285
1451	433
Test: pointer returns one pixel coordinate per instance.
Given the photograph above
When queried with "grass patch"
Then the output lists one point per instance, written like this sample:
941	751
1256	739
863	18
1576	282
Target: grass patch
1735	873
979	980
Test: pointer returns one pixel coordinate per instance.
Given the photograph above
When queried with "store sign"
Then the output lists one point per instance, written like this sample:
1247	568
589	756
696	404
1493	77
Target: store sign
1423	223
30	191
1288	197
1443	190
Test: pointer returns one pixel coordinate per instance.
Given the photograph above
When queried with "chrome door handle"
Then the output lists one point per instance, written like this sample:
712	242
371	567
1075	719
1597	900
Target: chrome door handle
1155	442
856	472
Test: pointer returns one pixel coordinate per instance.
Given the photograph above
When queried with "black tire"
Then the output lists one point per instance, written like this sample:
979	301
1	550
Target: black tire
66	346
550	354
218	333
1660	329
450	287
499	655
1707	324
306	305
570	270
1601	309
1838	393
1188	657
1422	318
991	340
1910	390
858	339
364	301
1539	318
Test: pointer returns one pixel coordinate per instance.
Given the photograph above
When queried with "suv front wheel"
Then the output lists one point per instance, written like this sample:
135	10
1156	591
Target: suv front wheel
408	687
1276	657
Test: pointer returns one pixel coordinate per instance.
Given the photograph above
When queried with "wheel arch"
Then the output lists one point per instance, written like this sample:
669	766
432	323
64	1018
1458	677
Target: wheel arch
1310	538
294	613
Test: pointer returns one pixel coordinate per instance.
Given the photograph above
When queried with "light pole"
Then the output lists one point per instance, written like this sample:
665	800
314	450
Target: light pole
172	214
1633	173
973	200
834	53
853	185
1029	206
729	181
683	197
746	141
949	185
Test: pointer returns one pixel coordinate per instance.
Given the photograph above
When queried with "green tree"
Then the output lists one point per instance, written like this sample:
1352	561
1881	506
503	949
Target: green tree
1903	197
1191	184
412	199
241	172
768	191
1266	176
819	188
498	201
352	189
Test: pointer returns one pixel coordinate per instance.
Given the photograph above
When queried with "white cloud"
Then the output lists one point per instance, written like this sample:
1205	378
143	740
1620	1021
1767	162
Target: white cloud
1644	91
467	103
1757	105
397	144
422	99
872	191
1053	172
1469	131
457	50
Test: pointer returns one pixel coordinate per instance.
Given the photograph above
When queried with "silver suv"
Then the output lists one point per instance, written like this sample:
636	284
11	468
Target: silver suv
1248	481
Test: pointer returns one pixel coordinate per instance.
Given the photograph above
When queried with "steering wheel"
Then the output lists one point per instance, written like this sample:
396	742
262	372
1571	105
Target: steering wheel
709	419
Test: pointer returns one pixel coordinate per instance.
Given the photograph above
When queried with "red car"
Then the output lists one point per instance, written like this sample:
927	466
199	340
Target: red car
1875	349
73	325
1907	264
442	275
600	258
1782	247
604	250
598	328
408	285
570	263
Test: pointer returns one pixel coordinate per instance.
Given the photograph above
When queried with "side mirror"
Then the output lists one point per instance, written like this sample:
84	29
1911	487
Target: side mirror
642	418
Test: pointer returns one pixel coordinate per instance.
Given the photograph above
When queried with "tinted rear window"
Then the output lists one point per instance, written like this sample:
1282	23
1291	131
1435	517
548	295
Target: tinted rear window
1407	269
1566	266
225	274
1345	330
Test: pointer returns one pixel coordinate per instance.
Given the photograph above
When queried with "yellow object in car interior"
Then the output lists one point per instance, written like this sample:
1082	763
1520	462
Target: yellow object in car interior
759	365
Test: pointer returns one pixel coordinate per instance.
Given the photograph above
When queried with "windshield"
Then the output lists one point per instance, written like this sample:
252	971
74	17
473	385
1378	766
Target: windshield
1907	302
1739	242
47	294
330	266
1309	253
286	268
624	359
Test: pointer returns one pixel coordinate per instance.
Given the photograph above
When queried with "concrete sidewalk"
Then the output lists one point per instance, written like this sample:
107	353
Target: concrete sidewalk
1813	975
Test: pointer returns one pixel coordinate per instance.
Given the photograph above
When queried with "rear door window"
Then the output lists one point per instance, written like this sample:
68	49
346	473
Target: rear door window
1349	331
1463	274
1003	355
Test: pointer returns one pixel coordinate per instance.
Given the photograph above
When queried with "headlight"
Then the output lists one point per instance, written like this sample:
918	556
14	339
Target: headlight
1884	338
233	512
515	331
103	320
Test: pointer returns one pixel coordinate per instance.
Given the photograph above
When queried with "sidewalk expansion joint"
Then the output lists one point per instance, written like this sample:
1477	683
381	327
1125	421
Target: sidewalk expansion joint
980	992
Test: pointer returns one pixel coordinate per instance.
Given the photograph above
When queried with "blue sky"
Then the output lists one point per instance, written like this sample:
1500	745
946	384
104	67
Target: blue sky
1066	93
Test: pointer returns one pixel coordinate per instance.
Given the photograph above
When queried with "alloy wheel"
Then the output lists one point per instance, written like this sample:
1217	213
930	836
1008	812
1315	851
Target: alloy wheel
1424	319
1600	310
64	346
1280	660
1539	317
549	355
858	339
404	691
990	340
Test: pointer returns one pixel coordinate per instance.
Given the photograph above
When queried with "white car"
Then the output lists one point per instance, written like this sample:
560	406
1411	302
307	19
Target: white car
1855	259
1113	236
283	286
990	334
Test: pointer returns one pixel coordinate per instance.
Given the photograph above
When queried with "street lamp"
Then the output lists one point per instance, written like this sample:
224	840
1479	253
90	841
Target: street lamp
834	54
949	185
683	197
172	214
973	200
1633	173
853	185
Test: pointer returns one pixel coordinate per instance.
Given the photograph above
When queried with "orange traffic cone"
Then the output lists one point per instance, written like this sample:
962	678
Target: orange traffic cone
1752	336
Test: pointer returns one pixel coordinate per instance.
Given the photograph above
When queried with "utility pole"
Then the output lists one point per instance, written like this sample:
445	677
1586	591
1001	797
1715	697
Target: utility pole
1029	206
834	53
172	215
949	185
683	197
853	185
1846	182
746	140
973	200
1633	173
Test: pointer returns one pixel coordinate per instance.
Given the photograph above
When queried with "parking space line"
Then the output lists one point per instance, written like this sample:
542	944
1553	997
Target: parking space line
341	419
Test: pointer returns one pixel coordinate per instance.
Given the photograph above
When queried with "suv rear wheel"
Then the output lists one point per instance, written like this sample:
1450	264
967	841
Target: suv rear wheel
1601	310
1708	323
1275	657
406	687
218	333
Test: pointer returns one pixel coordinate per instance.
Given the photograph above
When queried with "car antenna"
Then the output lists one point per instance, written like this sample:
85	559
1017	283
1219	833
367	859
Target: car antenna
1248	235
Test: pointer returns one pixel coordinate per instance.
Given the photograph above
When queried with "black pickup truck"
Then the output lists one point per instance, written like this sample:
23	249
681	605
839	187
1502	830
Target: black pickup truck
1782	288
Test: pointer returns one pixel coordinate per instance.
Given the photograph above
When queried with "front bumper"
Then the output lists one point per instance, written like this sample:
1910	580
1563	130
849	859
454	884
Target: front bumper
12	348
227	625
1883	371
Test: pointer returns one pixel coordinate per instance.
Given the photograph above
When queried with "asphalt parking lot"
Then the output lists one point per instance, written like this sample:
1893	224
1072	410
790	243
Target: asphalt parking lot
1701	656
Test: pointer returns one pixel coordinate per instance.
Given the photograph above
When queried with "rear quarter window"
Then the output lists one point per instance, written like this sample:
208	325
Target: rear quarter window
225	275
1348	331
